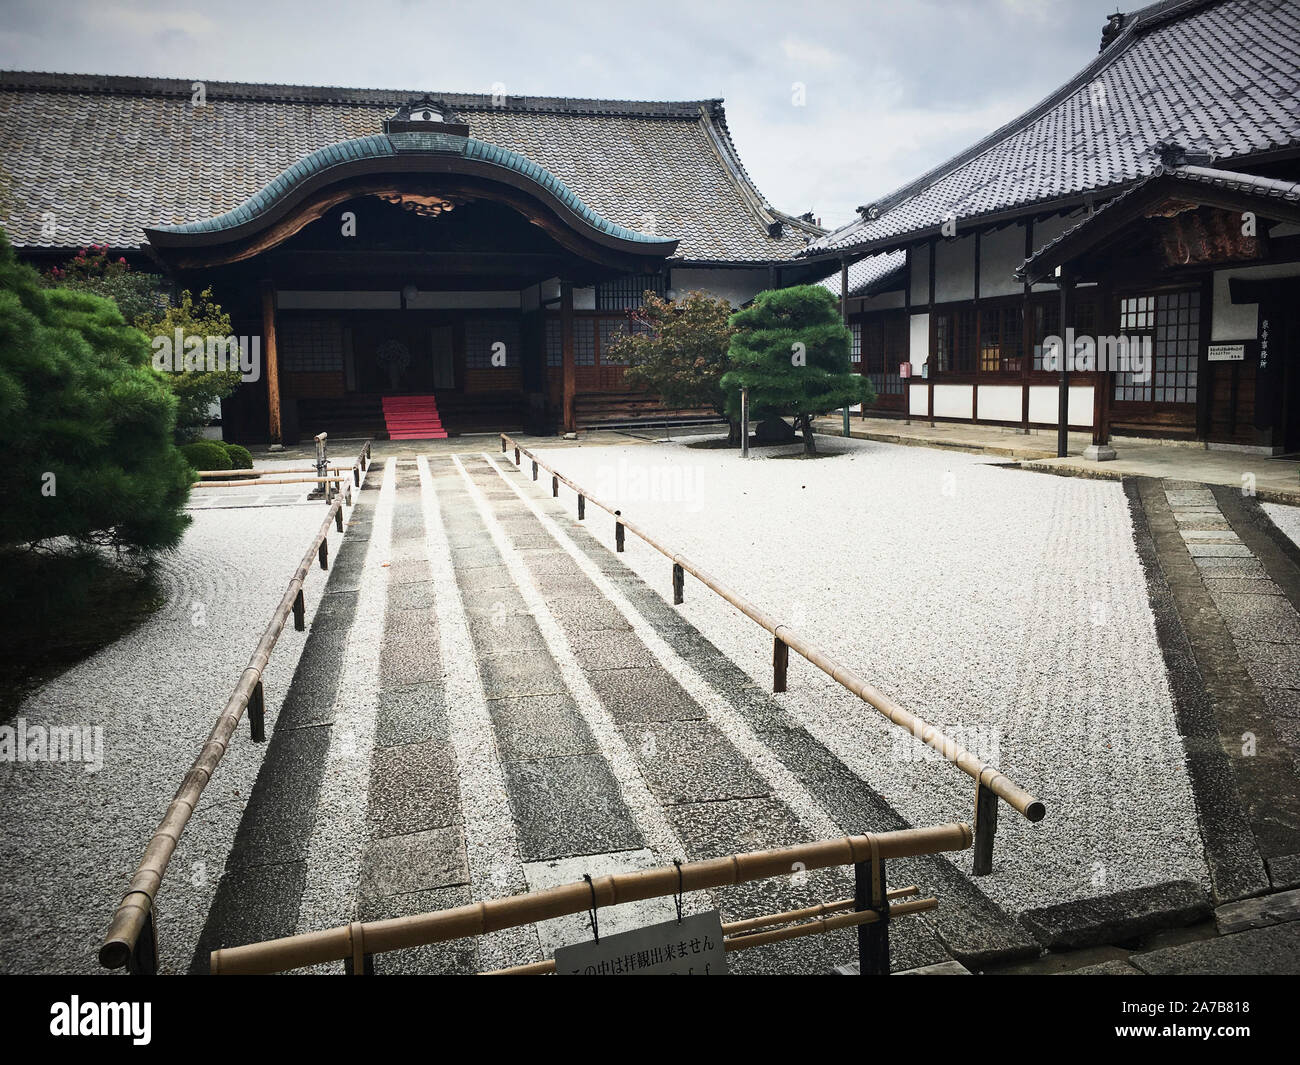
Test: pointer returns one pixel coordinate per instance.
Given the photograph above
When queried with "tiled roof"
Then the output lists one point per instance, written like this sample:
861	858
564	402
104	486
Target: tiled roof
869	275
385	146
109	156
1287	192
1212	76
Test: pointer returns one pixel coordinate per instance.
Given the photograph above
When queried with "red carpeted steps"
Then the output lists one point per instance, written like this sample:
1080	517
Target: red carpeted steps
413	418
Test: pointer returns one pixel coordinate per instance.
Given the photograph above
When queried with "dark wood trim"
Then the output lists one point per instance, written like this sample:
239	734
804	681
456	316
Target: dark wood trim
272	361
567	355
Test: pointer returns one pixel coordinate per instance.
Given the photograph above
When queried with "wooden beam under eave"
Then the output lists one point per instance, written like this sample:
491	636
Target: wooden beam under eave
567	360
272	361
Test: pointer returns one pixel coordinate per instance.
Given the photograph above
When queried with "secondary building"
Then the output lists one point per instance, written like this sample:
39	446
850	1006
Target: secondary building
1153	197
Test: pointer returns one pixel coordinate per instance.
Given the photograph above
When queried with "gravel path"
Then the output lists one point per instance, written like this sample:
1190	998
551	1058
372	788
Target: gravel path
1007	608
70	839
1285	518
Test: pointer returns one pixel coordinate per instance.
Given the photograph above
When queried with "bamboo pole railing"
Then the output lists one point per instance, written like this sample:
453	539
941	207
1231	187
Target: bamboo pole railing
131	939
990	783
743	935
354	942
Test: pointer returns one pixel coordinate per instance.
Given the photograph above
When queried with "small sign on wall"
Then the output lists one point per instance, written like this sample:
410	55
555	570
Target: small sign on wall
1227	352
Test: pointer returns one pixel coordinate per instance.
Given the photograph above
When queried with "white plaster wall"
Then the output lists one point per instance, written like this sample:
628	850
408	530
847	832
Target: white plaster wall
455	301
954	270
999	403
1043	402
290	300
918	399
1049	228
884	301
1240	321
919	342
1001	254
952	401
920	266
735	286
584	299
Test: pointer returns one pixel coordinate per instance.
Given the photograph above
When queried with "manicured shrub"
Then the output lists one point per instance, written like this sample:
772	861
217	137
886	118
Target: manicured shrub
206	455
86	425
240	457
791	350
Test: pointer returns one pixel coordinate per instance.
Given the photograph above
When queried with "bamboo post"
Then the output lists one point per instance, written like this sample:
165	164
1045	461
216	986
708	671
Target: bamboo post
986	826
618	532
780	663
299	612
338	518
534	469
870	893
143	959
324	554
555	488
516	456
503	443
257	712
679	583
582	506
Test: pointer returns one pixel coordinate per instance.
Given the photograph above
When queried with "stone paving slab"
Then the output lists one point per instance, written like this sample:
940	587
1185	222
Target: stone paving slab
691	762
568	806
519	673
1284	870
643	694
412	789
540	726
1274	950
399	865
1118	916
412	714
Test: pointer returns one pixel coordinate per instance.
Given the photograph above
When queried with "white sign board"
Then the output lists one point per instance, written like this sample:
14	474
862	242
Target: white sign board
1227	352
691	947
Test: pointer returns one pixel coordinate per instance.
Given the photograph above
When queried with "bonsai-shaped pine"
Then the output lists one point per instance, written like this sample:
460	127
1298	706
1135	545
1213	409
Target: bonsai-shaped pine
791	350
678	350
86	425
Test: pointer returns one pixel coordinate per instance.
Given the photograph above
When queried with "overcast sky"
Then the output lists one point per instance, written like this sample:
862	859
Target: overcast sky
890	88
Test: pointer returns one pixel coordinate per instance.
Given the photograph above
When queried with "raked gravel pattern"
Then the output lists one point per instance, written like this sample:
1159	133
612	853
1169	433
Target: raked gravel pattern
1285	518
70	840
1005	607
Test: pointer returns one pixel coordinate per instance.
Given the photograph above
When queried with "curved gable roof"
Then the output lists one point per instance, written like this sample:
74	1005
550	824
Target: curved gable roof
111	156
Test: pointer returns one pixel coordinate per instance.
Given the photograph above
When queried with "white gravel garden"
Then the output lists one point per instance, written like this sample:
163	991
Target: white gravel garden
1007	607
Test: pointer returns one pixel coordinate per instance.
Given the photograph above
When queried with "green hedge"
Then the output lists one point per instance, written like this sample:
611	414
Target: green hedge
240	457
206	455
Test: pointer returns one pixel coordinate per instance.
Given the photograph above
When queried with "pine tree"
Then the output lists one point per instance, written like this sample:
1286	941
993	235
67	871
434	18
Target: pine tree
791	350
86	424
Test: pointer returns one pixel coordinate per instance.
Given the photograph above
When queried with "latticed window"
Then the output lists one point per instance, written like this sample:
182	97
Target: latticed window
884	346
1173	322
610	330
584	342
855	344
554	340
489	336
310	345
627	293
1002	337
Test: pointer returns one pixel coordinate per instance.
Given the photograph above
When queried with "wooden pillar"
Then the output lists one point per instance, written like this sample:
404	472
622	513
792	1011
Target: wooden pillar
1027	333
272	361
566	341
1063	384
979	340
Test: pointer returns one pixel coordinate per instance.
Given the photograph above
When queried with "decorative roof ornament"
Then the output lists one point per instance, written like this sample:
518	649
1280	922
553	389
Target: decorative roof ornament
426	115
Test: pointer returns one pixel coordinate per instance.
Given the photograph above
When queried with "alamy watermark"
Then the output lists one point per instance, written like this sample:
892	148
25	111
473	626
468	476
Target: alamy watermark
196	354
657	484
21	742
1127	354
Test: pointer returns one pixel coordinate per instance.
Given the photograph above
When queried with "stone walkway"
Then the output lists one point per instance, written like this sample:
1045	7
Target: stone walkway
536	713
